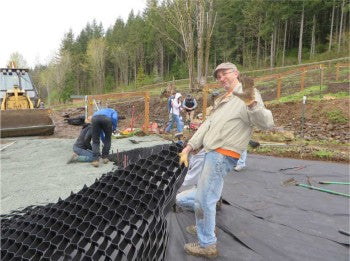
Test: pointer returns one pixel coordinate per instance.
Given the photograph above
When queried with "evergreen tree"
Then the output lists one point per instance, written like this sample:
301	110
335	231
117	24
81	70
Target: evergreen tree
170	39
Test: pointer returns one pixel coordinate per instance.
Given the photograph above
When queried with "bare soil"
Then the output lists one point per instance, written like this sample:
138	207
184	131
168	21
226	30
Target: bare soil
317	123
321	137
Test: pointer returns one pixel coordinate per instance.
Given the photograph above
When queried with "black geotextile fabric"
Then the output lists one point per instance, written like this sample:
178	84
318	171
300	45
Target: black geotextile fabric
119	217
265	220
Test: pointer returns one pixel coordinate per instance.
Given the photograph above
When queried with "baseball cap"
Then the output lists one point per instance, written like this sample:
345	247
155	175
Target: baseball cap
224	66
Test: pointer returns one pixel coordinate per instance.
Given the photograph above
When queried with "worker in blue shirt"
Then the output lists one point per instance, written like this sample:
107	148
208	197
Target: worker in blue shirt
103	122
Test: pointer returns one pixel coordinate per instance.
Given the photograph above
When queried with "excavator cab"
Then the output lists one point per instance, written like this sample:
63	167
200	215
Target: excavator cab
22	113
16	82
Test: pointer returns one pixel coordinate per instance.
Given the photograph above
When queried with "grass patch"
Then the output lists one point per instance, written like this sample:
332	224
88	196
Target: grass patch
338	95
275	149
344	72
67	105
323	142
323	154
337	116
263	149
312	93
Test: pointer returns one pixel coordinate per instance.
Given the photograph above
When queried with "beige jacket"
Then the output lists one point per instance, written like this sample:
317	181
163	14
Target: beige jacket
231	123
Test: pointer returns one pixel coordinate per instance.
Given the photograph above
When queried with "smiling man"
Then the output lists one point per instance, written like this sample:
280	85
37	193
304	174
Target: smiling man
224	135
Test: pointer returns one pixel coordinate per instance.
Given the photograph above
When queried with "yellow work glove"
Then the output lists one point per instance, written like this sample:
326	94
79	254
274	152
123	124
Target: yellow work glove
184	159
248	94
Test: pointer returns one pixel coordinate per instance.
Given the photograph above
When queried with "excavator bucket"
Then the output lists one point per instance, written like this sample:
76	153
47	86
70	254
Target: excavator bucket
28	122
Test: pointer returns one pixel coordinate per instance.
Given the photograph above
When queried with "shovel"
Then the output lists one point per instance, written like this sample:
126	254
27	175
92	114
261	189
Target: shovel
292	181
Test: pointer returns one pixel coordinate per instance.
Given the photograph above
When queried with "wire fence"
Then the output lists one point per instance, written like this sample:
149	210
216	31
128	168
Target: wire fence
253	73
294	81
267	78
278	83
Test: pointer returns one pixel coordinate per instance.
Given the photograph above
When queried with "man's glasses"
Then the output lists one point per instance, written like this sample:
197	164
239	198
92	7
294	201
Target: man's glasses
224	74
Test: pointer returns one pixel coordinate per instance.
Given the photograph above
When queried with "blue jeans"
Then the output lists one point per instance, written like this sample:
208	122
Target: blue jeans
242	159
179	124
83	155
203	198
186	198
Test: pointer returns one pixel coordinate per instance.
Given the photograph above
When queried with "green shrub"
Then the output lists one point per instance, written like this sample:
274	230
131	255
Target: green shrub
109	83
140	77
53	97
337	116
323	154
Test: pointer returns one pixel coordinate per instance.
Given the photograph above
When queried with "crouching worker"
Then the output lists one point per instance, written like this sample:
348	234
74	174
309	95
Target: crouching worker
189	104
103	123
82	146
185	199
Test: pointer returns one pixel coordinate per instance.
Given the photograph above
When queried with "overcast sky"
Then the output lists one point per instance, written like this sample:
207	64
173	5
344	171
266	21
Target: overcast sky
35	28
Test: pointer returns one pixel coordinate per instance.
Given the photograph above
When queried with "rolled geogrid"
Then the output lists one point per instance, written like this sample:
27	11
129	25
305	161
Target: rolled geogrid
119	217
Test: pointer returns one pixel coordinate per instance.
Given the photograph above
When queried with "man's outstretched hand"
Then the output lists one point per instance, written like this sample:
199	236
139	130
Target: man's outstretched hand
248	94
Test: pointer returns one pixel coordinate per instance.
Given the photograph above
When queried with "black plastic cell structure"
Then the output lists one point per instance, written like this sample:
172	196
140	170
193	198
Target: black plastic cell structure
119	217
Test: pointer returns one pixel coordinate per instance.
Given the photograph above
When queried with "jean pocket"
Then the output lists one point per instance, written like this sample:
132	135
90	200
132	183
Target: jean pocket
230	163
219	167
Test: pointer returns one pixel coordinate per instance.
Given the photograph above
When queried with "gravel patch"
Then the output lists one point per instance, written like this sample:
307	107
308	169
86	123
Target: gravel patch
34	170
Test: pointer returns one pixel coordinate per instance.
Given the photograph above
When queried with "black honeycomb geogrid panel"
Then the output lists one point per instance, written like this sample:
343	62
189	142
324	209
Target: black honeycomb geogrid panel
119	217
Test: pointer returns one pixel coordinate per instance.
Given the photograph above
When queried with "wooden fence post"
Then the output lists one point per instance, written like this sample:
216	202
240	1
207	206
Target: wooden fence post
145	95
146	121
90	108
302	78
337	72
279	80
205	102
321	78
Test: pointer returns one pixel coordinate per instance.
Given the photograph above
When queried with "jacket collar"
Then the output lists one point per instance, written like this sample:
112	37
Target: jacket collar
227	96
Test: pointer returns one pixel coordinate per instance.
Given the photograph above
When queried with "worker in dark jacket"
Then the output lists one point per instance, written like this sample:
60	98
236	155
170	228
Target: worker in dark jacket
189	104
82	147
103	122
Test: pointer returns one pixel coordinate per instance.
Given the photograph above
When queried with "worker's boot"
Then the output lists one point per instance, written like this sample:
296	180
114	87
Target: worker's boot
179	135
196	250
254	144
105	160
73	159
95	163
238	168
193	230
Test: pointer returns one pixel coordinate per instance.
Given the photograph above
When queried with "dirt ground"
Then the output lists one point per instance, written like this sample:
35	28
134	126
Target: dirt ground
324	136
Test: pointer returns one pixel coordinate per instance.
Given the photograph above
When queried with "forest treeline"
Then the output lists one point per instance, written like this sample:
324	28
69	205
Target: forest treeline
188	38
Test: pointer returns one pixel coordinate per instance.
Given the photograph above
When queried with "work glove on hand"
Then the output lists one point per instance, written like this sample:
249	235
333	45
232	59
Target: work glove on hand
248	94
184	159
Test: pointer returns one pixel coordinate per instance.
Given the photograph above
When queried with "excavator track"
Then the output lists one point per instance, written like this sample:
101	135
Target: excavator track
28	122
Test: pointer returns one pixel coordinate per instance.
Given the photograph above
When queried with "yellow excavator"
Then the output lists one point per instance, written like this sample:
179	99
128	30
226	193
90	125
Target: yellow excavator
22	112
